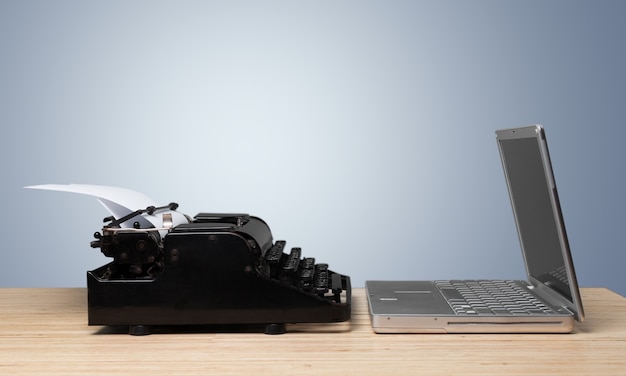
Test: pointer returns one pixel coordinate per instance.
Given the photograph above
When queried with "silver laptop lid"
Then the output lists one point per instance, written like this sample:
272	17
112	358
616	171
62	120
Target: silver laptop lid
540	226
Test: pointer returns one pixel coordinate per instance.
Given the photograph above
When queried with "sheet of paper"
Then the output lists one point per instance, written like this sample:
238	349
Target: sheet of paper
120	202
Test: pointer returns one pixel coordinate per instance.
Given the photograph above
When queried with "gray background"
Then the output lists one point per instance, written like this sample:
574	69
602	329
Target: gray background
362	131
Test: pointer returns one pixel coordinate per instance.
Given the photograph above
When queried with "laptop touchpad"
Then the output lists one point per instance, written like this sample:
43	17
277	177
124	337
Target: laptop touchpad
421	300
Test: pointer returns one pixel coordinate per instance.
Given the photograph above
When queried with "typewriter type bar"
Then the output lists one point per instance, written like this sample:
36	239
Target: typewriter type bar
217	269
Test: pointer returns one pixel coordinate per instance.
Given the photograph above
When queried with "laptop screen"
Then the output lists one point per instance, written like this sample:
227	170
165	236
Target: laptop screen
542	234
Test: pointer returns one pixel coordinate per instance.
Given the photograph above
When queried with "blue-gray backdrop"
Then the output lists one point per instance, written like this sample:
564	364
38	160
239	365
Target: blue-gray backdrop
362	131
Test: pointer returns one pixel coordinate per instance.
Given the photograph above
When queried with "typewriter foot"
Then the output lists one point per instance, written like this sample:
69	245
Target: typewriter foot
138	330
275	329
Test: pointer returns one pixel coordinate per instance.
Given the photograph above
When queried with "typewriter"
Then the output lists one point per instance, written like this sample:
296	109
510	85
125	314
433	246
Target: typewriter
212	269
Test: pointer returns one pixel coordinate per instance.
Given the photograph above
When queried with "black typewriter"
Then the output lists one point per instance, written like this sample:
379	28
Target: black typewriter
216	269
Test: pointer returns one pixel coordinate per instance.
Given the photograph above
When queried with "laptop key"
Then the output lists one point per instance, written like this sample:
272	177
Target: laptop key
451	294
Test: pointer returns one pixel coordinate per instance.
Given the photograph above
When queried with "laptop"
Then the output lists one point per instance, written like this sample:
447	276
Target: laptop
548	302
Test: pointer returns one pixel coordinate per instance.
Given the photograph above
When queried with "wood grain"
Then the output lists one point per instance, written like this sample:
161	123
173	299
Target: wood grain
45	331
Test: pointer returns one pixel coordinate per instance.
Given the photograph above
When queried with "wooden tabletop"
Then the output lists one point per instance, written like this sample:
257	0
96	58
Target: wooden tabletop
45	331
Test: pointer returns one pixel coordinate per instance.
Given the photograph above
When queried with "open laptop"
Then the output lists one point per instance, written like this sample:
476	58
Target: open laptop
549	302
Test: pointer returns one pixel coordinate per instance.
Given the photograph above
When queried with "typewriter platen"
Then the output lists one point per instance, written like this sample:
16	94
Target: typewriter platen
215	269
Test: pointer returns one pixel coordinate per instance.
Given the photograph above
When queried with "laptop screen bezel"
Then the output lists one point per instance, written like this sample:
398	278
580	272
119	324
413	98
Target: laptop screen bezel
537	133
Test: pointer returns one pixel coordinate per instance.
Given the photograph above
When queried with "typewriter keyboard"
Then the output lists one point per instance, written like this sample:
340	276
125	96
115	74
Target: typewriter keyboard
302	272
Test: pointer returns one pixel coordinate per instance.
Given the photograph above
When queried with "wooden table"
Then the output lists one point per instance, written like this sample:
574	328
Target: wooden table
44	331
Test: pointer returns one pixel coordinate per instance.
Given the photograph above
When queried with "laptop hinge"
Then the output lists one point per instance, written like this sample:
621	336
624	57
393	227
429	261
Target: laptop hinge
552	296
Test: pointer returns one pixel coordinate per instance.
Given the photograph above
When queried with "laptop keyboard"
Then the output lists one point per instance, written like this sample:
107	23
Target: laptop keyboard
486	297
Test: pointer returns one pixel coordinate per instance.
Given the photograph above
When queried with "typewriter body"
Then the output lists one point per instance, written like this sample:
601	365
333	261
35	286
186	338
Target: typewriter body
215	269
